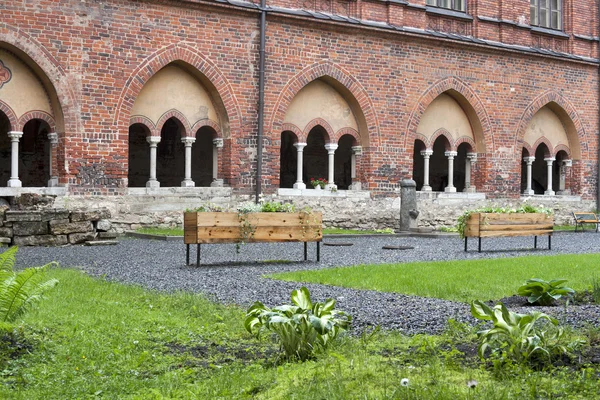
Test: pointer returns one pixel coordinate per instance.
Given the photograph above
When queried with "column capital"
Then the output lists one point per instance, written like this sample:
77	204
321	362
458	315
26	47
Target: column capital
357	150
300	146
53	137
331	147
15	135
529	160
426	153
450	154
188	140
153	139
549	160
218	143
567	163
472	156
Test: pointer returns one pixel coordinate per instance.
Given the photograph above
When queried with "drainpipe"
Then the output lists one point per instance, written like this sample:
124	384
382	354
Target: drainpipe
261	97
598	110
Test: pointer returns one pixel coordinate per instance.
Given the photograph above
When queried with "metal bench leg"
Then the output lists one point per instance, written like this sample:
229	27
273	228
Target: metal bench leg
305	251
535	242
318	251
466	244
549	242
198	255
480	244
187	254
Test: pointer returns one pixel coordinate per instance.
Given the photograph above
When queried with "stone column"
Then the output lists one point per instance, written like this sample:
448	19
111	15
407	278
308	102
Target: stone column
408	205
450	188
529	161
562	186
217	146
331	148
152	182
53	139
549	162
299	165
471	160
356	151
426	154
187	180
14	180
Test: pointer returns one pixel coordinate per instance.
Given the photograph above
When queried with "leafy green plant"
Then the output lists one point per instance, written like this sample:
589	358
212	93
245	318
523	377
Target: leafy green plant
519	337
273	206
525	208
544	293
207	207
20	291
302	327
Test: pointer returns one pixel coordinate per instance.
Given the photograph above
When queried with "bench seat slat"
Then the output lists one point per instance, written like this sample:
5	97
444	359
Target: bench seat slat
528	227
540	232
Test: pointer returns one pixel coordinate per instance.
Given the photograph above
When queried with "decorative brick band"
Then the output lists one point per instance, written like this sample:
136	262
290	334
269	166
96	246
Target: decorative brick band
300	137
143	120
10	114
330	137
177	115
37	114
444	133
206	122
549	148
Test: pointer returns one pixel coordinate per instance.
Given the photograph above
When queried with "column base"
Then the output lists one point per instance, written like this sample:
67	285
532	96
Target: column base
14	183
189	183
299	185
450	189
53	182
529	192
355	186
153	184
471	189
216	183
426	188
549	193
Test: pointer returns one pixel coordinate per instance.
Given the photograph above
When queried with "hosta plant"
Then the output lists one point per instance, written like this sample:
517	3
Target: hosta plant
302	327
519	337
19	291
544	293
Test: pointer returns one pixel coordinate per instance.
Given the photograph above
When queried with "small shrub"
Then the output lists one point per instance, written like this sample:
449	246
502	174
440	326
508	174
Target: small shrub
596	289
20	291
520	338
208	207
544	293
301	328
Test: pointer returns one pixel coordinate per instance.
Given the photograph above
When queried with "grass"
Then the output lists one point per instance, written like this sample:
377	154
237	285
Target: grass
161	231
96	339
489	279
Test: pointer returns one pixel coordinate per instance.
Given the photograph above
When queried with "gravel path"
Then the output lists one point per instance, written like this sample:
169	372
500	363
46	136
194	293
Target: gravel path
237	278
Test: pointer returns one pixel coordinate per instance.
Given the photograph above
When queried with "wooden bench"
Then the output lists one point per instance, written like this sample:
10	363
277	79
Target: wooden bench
231	227
585	218
515	224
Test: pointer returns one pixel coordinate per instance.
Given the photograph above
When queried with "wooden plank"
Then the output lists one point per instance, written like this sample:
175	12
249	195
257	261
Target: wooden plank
523	227
515	218
516	233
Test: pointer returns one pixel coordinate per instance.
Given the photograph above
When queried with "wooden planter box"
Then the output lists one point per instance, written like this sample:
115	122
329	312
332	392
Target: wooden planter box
231	227
515	224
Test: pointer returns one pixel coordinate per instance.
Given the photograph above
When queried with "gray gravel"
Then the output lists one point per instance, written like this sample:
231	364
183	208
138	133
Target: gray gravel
228	277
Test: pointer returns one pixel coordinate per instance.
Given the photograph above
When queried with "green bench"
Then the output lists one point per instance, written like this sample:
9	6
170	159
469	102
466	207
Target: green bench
582	218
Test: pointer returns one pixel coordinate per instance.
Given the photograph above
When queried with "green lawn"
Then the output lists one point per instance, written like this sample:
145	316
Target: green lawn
489	279
95	339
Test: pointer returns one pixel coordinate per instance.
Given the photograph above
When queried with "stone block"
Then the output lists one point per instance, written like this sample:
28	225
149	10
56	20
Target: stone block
101	242
103	225
5	240
6	231
20	216
61	228
40	240
30	228
55	214
107	235
81	237
90	215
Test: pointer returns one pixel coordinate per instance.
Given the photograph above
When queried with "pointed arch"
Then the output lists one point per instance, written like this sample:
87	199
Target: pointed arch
221	90
566	113
464	139
206	122
546	142
10	114
295	130
442	132
187	130
323	124
49	71
347	131
140	119
561	147
44	116
469	102
356	95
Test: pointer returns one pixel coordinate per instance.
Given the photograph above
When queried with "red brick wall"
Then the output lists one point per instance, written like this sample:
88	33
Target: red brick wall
98	55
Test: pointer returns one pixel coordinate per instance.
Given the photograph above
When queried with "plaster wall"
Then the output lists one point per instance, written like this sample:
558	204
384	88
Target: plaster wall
444	112
546	123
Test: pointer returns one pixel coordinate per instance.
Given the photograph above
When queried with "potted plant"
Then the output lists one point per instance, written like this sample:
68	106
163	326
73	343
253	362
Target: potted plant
318	183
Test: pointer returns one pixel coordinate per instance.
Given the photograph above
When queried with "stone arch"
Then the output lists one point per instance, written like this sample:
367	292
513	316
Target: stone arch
206	122
469	102
37	115
220	88
567	114
10	114
528	148
140	119
562	147
330	136
300	136
547	143
347	131
462	140
185	124
49	71
444	133
350	88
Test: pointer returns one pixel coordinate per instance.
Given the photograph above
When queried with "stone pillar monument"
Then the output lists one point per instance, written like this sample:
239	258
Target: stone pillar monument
408	205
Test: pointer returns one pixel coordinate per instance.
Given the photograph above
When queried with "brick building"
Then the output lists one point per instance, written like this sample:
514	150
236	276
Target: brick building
137	100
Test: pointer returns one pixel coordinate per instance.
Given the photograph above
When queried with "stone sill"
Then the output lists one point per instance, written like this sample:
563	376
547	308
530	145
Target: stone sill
356	194
17	191
456	195
559	197
180	191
